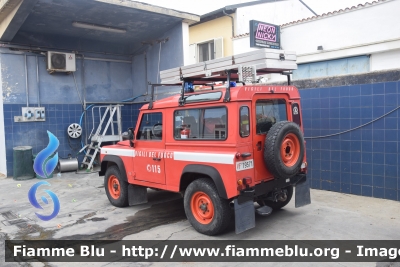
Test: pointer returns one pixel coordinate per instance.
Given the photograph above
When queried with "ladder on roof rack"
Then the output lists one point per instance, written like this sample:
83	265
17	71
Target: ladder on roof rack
241	67
245	75
105	132
264	61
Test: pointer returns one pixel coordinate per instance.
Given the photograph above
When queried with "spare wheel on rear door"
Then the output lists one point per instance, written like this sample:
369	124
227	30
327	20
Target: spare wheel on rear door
284	149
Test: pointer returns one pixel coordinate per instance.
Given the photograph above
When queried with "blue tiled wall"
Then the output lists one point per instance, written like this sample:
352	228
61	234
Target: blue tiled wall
104	80
59	117
362	161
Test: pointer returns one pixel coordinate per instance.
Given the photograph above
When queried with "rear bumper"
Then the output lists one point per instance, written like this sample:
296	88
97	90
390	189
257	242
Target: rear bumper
244	205
265	187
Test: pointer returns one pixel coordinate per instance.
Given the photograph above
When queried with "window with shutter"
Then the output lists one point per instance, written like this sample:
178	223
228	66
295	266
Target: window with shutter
219	47
192	54
208	50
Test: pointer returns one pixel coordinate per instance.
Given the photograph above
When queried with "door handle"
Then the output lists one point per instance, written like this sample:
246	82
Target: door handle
157	159
245	155
259	145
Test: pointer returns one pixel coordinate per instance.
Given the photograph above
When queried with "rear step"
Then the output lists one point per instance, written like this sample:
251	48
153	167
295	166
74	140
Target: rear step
264	210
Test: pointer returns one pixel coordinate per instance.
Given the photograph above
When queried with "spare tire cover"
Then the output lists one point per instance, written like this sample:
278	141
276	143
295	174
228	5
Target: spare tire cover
284	149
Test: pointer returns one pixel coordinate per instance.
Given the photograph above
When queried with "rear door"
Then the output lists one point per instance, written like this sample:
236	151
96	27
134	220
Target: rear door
267	110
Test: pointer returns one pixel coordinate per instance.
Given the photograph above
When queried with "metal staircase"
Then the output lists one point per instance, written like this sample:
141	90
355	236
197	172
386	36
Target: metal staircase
110	116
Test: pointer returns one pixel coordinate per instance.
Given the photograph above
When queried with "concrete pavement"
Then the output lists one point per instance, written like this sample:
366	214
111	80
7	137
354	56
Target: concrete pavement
87	214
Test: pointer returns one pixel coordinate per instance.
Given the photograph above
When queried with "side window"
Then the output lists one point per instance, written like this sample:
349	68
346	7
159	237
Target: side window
206	51
207	124
150	127
244	123
269	112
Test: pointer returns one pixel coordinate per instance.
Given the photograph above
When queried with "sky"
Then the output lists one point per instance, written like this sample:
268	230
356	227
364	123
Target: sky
201	7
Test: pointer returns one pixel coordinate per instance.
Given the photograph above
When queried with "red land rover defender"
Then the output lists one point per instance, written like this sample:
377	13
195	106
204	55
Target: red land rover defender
222	149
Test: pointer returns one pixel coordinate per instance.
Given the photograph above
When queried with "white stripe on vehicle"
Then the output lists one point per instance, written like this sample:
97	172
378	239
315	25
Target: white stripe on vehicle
204	157
179	156
118	152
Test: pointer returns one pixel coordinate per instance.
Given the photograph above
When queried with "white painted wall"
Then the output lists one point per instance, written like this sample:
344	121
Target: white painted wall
373	30
346	34
185	40
385	60
3	163
242	45
276	13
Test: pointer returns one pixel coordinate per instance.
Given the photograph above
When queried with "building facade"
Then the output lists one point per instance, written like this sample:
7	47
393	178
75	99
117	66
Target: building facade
211	37
348	75
116	57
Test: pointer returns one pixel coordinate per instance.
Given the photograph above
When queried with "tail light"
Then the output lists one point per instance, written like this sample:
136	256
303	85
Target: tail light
247	181
243	183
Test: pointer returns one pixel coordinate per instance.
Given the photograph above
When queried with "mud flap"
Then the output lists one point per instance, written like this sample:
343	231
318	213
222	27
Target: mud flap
302	194
137	195
245	216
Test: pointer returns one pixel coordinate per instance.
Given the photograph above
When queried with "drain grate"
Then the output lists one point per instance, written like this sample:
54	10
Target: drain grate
27	228
15	221
21	223
9	215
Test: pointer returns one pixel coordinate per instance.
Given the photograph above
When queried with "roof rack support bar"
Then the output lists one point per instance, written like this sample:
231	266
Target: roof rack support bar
182	98
227	97
287	73
152	97
153	85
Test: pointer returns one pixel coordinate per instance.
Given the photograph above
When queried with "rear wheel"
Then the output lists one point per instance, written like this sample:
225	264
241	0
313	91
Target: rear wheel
116	188
208	213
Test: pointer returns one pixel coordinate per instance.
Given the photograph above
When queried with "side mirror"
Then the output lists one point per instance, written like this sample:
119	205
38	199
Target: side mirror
131	137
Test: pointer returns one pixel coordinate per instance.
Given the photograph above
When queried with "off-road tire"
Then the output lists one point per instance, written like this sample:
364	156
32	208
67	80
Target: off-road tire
280	133
280	204
118	197
222	212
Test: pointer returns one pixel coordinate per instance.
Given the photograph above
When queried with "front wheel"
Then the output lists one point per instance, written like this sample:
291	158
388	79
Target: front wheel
116	188
206	211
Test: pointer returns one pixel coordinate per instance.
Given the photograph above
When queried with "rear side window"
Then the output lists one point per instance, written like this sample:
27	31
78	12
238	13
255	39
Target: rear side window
201	124
244	122
269	112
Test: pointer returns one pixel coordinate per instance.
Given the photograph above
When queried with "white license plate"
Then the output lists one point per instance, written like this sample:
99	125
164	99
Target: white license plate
244	165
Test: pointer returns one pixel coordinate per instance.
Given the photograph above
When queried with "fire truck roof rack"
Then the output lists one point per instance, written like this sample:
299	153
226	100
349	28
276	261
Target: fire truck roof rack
242	68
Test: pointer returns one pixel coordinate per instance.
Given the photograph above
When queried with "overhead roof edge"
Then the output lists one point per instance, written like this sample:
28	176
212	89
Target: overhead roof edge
7	6
186	17
336	12
230	10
